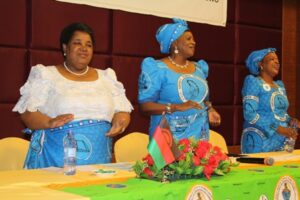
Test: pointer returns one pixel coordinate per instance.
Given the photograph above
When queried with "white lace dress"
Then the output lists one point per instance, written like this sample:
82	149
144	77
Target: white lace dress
93	105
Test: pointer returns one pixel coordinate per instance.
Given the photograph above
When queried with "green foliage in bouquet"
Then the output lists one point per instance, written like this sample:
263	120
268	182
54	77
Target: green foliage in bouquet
197	159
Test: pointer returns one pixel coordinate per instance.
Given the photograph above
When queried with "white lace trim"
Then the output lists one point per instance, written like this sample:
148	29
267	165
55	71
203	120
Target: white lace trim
251	97
255	119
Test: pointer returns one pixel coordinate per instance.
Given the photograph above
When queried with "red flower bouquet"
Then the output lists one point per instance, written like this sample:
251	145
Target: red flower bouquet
196	159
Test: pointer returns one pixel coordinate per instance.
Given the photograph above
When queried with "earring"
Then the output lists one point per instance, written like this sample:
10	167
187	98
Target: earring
176	50
65	54
261	68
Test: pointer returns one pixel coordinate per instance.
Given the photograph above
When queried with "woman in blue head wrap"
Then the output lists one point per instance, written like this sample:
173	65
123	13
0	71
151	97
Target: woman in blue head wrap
177	86
267	124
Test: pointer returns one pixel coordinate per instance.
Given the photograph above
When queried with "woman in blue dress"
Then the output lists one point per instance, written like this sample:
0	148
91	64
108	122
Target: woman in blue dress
267	124
177	86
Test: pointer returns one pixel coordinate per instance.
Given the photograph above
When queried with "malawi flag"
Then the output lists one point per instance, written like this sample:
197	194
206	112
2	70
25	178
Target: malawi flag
162	144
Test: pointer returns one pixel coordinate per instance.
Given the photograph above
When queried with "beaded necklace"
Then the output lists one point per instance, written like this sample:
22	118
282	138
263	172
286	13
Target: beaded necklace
177	65
76	74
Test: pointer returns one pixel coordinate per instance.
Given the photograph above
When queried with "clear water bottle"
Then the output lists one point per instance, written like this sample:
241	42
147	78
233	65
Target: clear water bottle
290	142
69	154
289	145
203	135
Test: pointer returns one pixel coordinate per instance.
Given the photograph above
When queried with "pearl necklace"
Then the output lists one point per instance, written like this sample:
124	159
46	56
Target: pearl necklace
76	74
177	65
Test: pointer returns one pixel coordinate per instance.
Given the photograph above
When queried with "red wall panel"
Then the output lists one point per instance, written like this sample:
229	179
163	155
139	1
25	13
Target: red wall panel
11	125
50	17
13	23
128	70
13	73
214	43
266	13
220	93
134	35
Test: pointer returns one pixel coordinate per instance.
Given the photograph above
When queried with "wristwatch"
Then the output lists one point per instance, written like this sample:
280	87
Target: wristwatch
168	108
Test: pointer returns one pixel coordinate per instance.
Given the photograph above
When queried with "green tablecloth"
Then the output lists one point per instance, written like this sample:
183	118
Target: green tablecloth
240	184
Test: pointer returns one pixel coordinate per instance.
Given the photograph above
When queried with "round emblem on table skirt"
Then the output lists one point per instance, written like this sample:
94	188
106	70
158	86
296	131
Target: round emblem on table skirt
263	197
199	192
286	188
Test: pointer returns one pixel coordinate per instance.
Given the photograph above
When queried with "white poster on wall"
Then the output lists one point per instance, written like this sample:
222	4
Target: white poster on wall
212	12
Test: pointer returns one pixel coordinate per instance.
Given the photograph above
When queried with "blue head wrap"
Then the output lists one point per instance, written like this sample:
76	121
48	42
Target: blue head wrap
168	33
255	57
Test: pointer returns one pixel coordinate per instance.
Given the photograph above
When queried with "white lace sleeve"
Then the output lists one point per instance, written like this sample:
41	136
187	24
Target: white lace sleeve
118	92
34	92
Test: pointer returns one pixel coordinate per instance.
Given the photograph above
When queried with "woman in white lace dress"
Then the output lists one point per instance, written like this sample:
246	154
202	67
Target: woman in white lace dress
75	97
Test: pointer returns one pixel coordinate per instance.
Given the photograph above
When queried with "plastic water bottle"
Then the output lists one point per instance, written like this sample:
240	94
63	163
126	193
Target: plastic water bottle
69	154
290	142
203	134
289	145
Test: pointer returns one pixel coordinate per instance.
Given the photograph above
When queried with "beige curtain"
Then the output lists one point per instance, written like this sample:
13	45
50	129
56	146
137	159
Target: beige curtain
213	12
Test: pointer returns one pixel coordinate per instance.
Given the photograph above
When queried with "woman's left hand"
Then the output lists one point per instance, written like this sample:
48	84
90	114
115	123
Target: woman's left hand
214	117
294	123
119	124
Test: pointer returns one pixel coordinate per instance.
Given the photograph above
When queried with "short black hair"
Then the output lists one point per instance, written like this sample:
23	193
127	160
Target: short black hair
68	32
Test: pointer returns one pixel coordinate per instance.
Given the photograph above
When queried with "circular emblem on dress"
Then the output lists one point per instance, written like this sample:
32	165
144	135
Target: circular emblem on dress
252	140
84	147
144	82
199	192
279	105
266	87
286	188
191	87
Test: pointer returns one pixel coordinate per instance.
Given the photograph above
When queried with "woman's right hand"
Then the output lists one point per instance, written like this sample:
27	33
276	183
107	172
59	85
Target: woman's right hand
37	120
287	132
60	120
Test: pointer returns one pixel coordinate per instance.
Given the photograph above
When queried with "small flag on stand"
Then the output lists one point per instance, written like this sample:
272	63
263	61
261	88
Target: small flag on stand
162	147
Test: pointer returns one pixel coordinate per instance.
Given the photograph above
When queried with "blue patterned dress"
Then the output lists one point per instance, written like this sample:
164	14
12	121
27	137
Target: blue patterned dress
265	108
158	83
